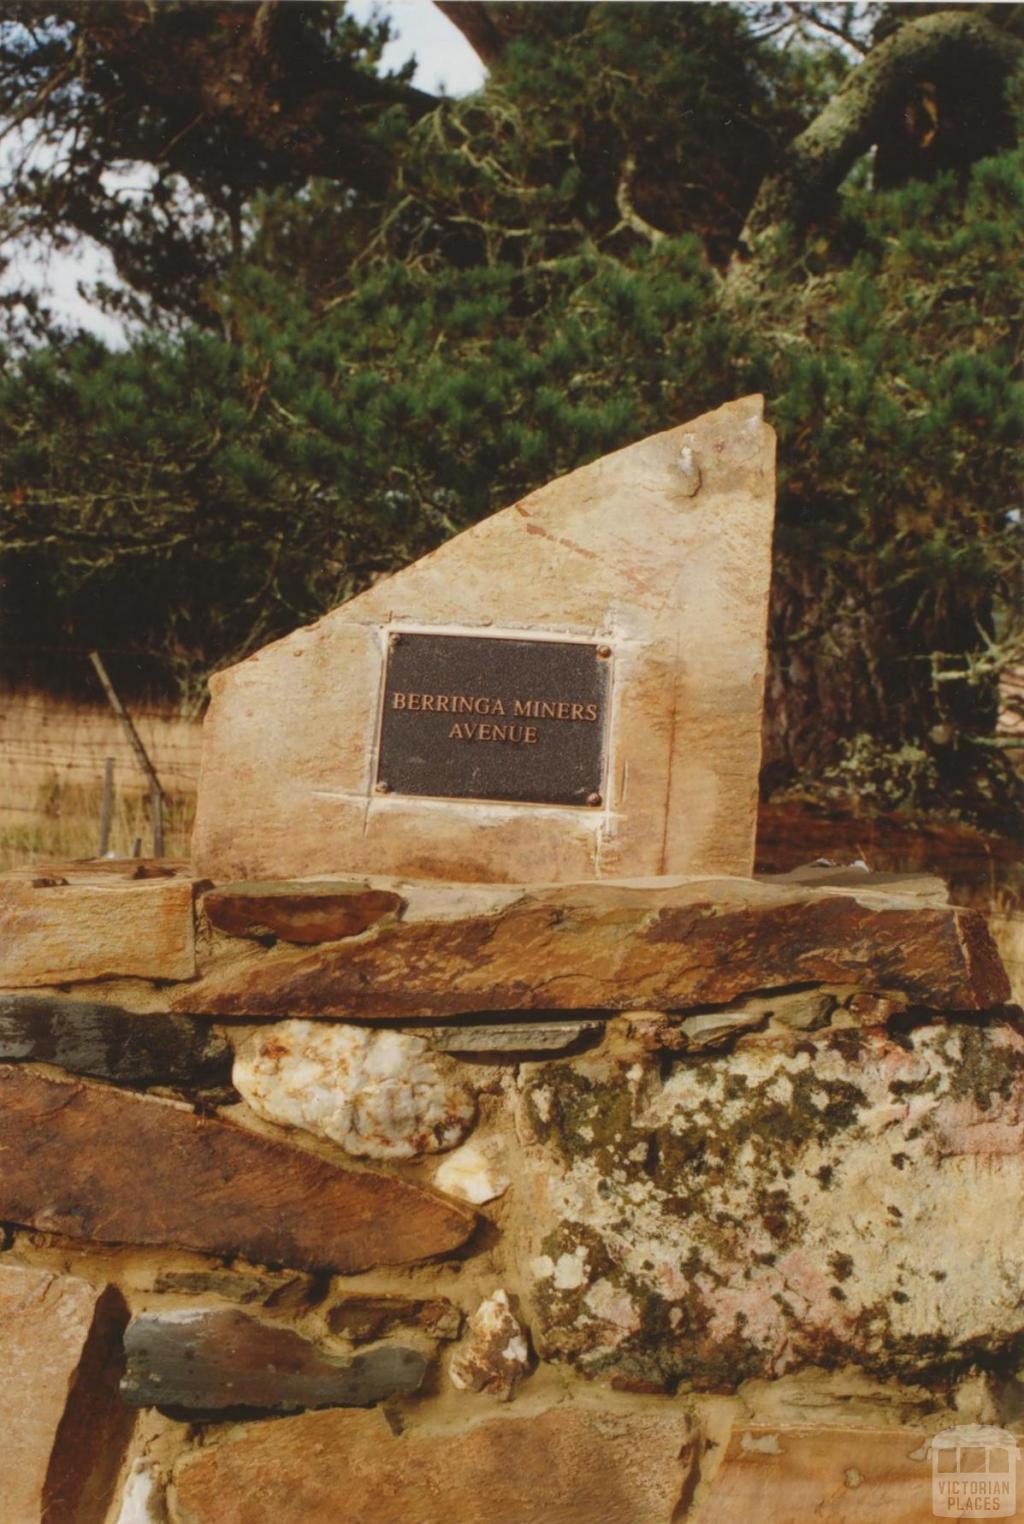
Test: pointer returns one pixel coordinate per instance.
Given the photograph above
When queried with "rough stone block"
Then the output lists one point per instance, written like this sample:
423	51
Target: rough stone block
844	1476
660	553
62	933
65	1429
576	1465
90	1161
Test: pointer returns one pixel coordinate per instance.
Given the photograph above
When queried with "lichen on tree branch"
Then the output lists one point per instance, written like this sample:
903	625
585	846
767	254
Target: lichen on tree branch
820	157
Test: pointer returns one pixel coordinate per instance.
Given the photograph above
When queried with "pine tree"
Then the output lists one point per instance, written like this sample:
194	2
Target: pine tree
613	235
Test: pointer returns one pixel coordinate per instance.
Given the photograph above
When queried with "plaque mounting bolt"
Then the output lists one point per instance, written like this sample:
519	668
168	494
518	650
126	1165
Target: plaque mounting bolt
604	651
594	799
394	640
381	787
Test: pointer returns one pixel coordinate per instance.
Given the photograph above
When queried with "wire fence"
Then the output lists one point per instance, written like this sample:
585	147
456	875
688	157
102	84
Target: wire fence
53	754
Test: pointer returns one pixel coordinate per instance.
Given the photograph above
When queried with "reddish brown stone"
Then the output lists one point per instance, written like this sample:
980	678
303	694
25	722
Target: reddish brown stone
297	912
362	1317
573	1465
874	1010
614	946
90	1161
64	1426
844	1476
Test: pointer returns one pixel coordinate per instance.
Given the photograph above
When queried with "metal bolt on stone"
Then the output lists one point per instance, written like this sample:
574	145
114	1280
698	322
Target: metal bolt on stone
689	470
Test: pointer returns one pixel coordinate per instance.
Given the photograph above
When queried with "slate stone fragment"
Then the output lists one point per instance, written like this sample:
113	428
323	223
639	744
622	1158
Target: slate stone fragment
202	1360
510	1036
89	1037
273	1290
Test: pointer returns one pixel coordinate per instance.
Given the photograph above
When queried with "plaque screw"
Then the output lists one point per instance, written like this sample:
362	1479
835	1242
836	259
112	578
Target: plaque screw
594	799
394	640
382	787
604	651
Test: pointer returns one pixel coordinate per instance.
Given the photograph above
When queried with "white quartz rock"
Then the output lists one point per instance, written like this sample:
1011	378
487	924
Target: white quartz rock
380	1094
142	1501
472	1173
494	1356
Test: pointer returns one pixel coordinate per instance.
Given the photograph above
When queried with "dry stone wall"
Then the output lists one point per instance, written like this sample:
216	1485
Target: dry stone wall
616	1203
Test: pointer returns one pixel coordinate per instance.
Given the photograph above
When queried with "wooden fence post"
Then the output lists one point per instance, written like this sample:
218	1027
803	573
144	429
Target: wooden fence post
156	793
106	805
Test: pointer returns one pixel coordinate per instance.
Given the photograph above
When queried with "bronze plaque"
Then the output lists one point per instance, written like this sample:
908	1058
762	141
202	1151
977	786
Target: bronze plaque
477	717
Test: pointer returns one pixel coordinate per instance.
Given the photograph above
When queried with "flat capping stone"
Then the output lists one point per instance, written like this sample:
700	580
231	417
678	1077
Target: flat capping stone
522	951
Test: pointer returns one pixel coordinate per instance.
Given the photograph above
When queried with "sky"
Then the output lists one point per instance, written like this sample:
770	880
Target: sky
445	61
444	58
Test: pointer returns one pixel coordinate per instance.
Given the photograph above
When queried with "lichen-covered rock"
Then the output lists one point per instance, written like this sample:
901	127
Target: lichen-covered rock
811	1199
494	1357
379	1094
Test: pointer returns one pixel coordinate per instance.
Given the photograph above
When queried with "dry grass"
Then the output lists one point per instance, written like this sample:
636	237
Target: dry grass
51	778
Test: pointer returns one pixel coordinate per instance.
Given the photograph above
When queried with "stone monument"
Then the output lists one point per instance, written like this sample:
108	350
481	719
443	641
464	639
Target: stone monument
570	690
668	1193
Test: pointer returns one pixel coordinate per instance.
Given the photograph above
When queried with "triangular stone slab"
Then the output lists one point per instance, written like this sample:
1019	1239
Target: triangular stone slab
648	570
